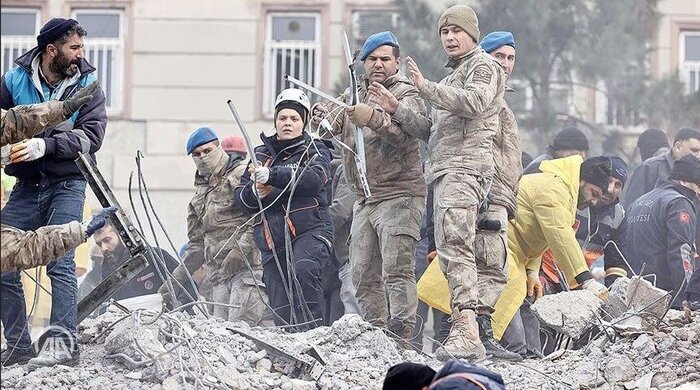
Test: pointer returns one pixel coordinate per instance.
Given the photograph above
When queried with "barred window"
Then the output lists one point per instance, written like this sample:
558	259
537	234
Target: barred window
19	27
104	49
292	46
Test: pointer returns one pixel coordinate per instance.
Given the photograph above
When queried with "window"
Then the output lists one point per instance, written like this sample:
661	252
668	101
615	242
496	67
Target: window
19	28
689	68
366	23
292	46
104	49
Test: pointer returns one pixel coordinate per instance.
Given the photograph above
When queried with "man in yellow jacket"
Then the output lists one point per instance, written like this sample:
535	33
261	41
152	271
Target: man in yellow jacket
547	204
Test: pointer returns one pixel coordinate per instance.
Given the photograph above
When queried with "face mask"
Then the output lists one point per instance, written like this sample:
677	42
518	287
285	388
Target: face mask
207	163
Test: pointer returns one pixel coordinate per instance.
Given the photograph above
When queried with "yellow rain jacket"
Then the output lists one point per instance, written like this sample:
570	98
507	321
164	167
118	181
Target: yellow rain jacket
546	214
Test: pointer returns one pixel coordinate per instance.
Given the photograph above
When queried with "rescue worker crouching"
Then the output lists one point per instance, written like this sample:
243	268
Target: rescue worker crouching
293	183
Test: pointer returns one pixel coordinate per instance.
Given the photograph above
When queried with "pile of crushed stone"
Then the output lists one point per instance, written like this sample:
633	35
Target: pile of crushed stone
175	351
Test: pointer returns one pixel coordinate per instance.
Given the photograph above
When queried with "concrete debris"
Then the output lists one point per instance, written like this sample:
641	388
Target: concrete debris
571	313
618	370
356	356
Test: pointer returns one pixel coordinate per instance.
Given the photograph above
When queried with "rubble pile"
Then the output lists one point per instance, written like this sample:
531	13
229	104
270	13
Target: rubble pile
165	352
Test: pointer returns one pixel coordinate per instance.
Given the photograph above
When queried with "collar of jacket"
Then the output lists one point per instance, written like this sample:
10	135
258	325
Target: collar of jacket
568	169
456	62
271	140
669	159
228	165
672	185
388	83
25	61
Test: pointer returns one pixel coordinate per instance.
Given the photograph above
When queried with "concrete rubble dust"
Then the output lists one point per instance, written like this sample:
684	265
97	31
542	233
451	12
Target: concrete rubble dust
150	352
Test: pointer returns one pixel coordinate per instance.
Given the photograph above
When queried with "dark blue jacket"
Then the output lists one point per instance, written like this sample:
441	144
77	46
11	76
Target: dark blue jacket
661	233
600	230
644	178
83	132
311	197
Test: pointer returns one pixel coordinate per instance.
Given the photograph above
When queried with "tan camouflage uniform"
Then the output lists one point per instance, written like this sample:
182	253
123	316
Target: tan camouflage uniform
386	226
22	122
28	249
465	119
212	218
491	247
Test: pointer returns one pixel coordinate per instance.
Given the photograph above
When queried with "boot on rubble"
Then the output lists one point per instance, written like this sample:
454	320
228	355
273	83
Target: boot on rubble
493	347
463	341
401	333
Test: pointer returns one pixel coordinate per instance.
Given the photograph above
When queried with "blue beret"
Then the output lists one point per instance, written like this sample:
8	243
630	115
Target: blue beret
376	40
497	39
200	137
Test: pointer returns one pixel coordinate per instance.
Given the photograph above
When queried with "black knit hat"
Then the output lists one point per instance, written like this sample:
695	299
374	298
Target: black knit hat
686	169
597	171
53	30
570	138
407	376
650	141
301	110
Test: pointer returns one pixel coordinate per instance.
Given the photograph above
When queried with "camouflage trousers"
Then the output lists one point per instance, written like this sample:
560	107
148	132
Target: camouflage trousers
383	240
456	205
491	251
248	302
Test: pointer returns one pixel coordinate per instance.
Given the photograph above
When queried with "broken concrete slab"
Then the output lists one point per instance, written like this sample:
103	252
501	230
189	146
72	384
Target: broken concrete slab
643	297
619	370
571	312
644	345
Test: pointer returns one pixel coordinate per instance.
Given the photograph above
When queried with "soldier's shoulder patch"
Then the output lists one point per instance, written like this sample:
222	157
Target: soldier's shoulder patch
684	217
482	74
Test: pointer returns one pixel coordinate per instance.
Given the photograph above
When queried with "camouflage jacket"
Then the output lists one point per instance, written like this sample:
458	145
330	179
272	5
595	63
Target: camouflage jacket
464	120
506	156
28	249
22	122
212	218
393	161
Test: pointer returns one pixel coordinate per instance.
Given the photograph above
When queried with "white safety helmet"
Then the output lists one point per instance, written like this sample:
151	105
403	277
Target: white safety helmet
293	95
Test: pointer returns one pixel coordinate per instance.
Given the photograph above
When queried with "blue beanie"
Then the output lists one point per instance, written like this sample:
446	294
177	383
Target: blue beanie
497	39
376	40
200	137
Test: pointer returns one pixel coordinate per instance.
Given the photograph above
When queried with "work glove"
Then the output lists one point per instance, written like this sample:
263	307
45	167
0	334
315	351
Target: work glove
73	103
596	288
98	221
359	114
534	285
262	175
28	150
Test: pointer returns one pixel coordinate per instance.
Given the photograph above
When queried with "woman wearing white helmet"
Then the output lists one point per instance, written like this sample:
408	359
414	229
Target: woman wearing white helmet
293	184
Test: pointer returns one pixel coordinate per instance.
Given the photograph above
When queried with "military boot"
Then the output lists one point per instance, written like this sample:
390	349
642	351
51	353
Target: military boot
401	333
463	341
493	347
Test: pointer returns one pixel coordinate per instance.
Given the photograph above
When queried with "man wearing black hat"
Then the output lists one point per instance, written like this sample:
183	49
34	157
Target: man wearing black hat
50	188
661	231
644	178
652	143
568	142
